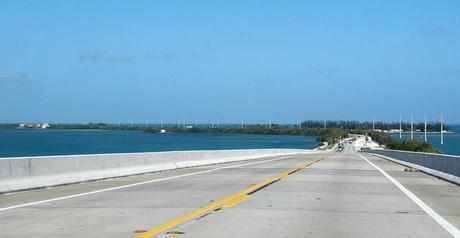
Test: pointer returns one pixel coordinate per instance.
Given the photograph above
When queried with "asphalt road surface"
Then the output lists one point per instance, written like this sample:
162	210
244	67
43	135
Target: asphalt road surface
321	195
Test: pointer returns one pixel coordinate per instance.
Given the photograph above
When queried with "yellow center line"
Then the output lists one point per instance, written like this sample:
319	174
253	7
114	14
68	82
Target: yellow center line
224	202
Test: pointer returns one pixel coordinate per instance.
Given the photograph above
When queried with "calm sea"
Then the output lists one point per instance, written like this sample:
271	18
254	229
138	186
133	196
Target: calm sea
33	142
451	140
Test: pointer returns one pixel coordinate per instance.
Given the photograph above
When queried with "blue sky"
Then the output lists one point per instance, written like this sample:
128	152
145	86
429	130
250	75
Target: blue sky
232	61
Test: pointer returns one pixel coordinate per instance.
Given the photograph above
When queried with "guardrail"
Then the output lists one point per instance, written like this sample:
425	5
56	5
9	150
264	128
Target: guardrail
22	173
443	166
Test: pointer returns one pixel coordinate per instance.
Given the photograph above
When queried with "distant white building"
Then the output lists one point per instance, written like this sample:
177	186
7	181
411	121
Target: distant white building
34	126
395	131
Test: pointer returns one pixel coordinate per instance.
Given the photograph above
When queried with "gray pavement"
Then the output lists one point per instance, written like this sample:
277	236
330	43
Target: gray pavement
341	196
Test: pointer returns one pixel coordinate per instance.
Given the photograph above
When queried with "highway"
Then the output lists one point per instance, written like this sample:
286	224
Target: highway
319	195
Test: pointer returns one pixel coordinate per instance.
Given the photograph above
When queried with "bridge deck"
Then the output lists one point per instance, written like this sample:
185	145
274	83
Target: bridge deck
340	196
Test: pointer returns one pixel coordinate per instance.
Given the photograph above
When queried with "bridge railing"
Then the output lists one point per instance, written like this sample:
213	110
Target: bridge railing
21	173
444	166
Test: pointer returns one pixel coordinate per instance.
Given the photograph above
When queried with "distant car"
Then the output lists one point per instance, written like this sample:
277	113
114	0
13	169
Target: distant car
340	147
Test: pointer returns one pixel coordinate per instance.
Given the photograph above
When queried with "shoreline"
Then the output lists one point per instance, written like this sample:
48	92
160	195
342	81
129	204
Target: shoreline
435	132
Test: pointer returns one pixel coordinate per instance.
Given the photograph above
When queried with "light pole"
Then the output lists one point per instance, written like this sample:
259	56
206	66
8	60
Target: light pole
442	133
411	127
425	131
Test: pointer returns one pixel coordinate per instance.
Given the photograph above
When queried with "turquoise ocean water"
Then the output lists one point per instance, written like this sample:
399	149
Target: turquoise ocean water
36	142
14	143
451	140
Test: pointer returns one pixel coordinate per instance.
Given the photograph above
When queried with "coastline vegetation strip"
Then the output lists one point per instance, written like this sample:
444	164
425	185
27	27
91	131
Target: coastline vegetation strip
325	131
330	135
309	124
389	142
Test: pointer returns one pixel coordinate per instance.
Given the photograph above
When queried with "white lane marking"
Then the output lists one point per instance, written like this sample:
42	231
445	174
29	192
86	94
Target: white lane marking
140	183
438	218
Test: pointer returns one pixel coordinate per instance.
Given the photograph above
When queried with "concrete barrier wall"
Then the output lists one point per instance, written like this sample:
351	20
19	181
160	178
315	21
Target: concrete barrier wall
42	171
444	166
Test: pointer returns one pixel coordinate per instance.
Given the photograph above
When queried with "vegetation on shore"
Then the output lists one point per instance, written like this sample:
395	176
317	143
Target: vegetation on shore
334	131
367	125
8	126
331	135
310	124
97	126
407	145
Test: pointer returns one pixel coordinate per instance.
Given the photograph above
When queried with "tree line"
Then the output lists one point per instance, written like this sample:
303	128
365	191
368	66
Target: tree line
356	125
407	145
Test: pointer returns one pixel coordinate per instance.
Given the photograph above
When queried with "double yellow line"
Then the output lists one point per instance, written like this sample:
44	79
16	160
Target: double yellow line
226	202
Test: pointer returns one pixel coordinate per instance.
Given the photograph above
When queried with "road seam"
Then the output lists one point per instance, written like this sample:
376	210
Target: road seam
236	201
438	218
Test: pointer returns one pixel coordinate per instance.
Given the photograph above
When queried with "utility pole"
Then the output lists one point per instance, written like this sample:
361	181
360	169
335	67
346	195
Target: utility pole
400	127
442	132
411	127
425	131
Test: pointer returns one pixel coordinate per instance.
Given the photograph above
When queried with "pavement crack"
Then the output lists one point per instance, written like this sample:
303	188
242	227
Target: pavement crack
262	187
